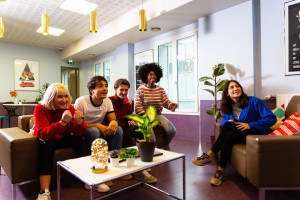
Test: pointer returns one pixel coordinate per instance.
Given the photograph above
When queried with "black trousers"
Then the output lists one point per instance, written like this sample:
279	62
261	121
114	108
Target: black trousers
47	149
228	137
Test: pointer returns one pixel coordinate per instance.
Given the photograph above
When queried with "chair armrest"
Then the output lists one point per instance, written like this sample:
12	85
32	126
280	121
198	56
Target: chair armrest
273	161
23	122
18	154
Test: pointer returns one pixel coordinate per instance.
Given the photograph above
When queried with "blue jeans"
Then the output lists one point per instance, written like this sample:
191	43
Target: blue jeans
113	141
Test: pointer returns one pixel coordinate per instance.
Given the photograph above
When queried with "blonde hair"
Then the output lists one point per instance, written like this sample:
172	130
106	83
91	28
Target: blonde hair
52	92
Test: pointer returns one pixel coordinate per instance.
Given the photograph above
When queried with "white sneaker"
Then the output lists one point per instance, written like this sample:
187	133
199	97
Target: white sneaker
100	188
44	196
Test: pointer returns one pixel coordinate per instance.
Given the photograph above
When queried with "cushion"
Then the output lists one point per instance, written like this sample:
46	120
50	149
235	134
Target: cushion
289	127
279	113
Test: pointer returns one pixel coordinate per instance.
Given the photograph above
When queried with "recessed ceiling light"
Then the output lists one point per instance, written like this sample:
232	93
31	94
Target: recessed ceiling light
155	29
79	6
52	31
91	54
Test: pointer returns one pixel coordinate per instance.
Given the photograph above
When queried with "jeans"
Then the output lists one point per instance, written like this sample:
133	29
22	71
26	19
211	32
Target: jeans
167	126
114	141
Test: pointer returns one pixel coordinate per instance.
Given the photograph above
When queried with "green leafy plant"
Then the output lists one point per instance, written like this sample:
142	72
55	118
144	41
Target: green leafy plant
42	92
24	100
145	122
114	154
128	153
218	85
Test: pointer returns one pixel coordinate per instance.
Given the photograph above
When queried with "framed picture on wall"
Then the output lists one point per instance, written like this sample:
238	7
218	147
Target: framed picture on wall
139	60
292	37
26	74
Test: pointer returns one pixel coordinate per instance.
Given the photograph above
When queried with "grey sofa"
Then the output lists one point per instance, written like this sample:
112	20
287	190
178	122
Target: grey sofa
270	162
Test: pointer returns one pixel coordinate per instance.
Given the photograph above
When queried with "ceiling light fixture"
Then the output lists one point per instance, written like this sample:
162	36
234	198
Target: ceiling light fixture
142	19
45	24
1	27
52	31
78	6
155	29
93	22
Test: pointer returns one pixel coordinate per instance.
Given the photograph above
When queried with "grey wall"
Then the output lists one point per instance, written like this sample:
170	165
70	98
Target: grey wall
49	67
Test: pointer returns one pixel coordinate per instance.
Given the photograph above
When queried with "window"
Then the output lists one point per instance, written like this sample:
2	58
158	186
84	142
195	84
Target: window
102	68
178	58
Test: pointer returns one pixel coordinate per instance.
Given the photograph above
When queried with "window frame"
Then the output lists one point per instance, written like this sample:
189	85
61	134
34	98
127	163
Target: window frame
173	40
101	62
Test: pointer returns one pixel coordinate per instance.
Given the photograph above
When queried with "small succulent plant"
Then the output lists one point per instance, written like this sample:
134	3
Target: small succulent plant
114	154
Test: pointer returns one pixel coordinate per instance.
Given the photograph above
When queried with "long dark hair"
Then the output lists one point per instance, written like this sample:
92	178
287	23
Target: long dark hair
226	100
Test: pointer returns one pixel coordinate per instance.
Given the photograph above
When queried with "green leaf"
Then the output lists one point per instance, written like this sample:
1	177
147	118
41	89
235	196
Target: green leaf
221	85
210	91
151	113
147	121
208	83
155	123
209	112
136	118
218	114
204	78
218	70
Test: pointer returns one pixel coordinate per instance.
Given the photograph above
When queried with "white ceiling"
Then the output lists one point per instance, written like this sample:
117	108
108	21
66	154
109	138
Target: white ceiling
23	17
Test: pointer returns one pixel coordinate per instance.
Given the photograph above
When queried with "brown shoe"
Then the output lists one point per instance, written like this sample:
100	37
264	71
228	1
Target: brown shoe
126	178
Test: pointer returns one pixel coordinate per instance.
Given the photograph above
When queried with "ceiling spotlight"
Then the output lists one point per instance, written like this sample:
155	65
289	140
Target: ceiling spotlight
155	29
93	22
1	27
45	24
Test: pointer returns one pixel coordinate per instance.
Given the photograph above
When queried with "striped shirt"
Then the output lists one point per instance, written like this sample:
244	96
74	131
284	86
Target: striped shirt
145	97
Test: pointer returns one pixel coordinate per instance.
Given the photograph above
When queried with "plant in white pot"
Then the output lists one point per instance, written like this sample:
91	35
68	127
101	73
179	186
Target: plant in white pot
129	154
114	158
218	85
146	123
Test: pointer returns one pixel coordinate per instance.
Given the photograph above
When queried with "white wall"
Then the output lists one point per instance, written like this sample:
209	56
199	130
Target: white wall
273	57
49	68
226	37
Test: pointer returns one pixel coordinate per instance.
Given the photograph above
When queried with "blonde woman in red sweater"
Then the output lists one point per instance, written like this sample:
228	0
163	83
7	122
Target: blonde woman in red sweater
57	125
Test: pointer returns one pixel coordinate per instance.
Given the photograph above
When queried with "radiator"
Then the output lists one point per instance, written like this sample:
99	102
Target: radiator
284	99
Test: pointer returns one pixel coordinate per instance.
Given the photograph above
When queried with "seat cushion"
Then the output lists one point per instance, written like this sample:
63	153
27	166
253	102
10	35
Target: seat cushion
238	158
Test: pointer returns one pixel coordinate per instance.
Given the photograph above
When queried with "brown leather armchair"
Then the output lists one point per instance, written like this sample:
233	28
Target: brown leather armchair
19	153
270	162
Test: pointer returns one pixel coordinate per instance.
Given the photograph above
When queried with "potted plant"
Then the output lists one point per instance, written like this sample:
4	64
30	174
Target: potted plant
146	123
217	84
114	158
129	155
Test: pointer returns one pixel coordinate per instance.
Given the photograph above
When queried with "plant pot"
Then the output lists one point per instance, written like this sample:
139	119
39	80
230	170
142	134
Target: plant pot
146	150
130	162
114	162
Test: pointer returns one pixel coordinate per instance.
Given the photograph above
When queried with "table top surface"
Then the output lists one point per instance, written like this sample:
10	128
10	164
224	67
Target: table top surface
81	167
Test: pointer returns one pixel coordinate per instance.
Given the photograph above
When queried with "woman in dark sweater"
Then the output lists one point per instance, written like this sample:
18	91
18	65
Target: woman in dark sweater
243	116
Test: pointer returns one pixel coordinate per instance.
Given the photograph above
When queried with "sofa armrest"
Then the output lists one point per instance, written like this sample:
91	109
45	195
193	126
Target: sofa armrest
273	161
23	122
18	154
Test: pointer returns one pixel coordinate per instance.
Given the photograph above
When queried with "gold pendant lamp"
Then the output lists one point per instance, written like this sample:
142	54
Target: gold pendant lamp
142	19
1	27
45	24
93	22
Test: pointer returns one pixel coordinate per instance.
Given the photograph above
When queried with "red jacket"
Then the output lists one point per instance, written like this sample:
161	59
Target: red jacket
47	124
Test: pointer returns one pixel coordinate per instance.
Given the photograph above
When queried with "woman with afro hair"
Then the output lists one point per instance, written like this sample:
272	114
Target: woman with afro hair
151	94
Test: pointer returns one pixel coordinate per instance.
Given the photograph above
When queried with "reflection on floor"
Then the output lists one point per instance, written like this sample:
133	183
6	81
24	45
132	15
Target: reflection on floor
169	179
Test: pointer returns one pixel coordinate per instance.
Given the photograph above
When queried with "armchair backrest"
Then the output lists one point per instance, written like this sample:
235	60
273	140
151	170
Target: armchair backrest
293	106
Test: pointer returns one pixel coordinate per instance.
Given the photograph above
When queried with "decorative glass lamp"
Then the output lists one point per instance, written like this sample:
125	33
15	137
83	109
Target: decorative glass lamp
99	156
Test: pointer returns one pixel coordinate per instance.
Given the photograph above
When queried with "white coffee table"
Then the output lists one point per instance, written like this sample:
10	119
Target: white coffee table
80	168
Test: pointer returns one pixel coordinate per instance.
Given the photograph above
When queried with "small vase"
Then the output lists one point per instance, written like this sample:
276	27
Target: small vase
16	100
114	162
130	162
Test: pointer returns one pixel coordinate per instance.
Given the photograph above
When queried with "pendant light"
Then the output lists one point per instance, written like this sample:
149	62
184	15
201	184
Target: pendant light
142	19
1	27
93	22
45	24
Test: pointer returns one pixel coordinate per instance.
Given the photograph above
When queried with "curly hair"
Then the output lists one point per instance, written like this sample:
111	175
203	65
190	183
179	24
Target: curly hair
226	100
94	80
147	68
